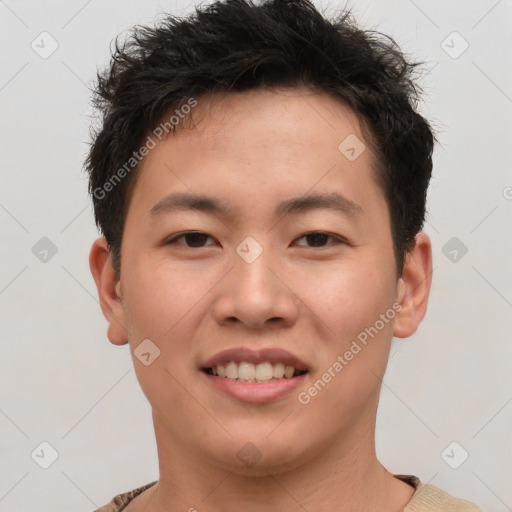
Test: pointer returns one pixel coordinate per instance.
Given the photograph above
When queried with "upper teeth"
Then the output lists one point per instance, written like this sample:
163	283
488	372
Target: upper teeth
249	372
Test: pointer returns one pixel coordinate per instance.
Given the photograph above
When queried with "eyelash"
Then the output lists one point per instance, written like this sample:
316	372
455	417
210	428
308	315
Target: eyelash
337	239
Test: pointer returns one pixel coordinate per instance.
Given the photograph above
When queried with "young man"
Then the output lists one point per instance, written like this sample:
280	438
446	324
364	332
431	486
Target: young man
260	179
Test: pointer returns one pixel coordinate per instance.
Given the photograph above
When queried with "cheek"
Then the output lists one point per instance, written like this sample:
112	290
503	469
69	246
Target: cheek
162	307
348	298
167	305
354	357
161	297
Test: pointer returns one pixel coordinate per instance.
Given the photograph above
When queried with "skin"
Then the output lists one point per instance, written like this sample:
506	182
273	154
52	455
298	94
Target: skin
254	150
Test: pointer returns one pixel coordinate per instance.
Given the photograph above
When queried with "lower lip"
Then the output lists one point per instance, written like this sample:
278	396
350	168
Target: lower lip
255	392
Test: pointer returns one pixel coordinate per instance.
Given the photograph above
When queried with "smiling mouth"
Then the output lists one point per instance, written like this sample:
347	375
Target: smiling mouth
248	372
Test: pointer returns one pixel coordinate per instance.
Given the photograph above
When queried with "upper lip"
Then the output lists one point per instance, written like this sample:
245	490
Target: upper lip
272	355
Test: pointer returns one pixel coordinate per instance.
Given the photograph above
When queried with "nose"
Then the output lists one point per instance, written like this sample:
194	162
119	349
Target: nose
256	295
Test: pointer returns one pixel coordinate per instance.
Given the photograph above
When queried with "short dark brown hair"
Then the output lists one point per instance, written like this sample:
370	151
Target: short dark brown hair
238	45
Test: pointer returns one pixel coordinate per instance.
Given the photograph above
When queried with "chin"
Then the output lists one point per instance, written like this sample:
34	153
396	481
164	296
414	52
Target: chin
262	456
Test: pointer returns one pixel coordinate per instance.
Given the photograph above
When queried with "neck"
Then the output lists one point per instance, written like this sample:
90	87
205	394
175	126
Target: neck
345	475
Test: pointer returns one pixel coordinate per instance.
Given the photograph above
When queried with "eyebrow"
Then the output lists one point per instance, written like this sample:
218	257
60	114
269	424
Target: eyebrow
211	205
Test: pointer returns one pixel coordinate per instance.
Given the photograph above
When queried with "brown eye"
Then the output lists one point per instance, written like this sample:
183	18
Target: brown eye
193	239
319	239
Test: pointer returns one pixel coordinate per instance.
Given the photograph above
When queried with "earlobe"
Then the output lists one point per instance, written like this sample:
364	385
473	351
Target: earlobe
413	288
109	291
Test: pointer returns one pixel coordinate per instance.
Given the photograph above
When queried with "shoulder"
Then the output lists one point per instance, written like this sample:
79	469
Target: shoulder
429	498
119	502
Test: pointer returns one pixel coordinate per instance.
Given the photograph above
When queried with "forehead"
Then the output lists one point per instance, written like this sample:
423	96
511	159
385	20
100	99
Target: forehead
273	119
268	144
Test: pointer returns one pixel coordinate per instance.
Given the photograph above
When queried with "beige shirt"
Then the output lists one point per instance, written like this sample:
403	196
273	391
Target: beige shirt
426	498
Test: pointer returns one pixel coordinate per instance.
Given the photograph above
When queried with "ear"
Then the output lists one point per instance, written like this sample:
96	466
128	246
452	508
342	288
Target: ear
414	287
109	291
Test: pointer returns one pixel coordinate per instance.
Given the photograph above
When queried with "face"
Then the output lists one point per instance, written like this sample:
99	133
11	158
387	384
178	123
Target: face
253	239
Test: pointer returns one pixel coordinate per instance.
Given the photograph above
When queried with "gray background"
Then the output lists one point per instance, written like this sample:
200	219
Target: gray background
64	383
